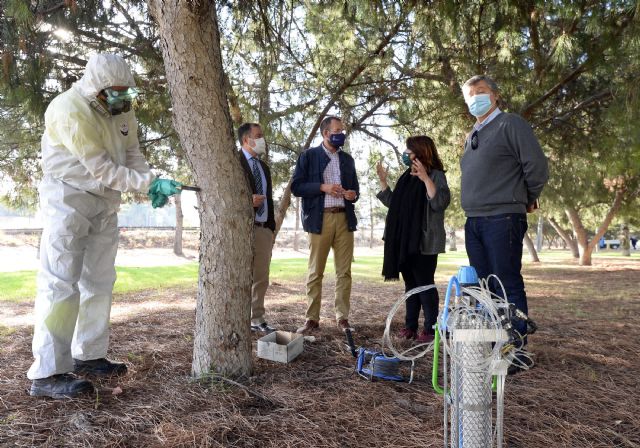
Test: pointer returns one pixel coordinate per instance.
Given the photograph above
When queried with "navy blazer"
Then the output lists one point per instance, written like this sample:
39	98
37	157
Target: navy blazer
307	178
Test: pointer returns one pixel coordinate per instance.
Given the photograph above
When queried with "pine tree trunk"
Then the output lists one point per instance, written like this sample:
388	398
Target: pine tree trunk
283	206
585	246
540	233
190	44
177	240
371	220
625	242
453	247
296	234
580	234
532	250
568	240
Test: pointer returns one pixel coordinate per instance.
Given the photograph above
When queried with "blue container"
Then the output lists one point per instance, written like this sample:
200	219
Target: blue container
467	276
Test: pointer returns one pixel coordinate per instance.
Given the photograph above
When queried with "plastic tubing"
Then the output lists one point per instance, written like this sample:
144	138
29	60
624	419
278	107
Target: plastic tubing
447	298
386	337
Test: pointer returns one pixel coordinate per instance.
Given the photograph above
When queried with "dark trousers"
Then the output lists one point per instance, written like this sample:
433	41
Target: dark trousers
418	270
494	246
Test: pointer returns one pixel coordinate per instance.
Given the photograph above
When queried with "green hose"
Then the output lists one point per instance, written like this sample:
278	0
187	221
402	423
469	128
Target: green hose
436	357
434	370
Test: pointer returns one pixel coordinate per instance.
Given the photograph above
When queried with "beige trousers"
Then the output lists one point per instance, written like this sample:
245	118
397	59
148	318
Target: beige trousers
335	235
261	260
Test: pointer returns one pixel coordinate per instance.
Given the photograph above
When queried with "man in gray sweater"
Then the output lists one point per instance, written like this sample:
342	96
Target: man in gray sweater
503	173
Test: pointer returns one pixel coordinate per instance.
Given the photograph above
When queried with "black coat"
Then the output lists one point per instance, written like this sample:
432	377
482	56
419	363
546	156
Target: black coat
271	222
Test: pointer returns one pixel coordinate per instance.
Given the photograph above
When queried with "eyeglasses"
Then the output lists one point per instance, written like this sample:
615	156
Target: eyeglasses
474	140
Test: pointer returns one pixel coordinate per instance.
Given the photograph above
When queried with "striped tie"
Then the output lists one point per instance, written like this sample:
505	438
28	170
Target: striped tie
258	180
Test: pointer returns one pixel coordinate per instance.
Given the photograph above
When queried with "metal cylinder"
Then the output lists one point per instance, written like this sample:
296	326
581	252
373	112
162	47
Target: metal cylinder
470	389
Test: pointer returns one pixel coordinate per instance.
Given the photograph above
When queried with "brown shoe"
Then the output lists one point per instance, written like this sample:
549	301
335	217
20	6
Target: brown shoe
343	324
308	327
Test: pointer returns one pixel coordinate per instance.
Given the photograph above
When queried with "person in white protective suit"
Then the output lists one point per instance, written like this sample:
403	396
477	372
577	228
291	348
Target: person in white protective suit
90	154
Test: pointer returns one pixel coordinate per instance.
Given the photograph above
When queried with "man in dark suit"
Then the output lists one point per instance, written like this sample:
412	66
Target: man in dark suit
253	144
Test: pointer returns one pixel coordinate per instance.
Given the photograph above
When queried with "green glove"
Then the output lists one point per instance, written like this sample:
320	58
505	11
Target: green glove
166	187
158	199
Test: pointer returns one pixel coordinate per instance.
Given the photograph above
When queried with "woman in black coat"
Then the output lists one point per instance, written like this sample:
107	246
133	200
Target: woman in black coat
414	231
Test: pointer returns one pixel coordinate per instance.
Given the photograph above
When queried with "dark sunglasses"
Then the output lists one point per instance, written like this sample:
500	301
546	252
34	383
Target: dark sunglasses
474	140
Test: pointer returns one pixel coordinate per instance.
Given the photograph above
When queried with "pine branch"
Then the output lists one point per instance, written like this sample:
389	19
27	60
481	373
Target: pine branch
52	9
63	57
625	20
379	138
371	111
605	94
127	48
354	75
129	19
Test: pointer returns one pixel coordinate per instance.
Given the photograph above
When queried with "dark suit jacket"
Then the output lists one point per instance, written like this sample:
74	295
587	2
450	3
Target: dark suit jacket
271	222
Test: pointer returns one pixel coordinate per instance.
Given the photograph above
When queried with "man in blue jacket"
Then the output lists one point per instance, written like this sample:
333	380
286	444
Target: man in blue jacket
325	178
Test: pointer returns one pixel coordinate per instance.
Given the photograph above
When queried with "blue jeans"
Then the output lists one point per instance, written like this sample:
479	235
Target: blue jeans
494	246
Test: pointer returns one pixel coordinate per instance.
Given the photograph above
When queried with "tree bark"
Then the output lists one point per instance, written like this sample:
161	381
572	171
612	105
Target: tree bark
625	242
540	233
190	44
568	240
177	239
281	212
584	245
371	219
532	250
296	235
452	239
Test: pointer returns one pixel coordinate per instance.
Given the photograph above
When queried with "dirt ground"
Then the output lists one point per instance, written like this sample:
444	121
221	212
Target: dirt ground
581	393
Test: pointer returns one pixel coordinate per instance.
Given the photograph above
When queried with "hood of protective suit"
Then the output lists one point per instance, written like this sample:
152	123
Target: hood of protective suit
102	71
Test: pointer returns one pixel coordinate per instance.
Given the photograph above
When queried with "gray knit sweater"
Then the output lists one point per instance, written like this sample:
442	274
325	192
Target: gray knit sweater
433	233
507	170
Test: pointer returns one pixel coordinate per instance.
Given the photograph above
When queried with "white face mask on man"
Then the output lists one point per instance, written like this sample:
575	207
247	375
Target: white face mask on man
260	145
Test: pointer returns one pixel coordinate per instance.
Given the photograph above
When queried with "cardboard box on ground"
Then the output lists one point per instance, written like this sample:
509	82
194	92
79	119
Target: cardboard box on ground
280	346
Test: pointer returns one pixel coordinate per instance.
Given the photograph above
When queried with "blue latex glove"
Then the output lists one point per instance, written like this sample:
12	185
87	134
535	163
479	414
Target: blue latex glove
158	199
166	187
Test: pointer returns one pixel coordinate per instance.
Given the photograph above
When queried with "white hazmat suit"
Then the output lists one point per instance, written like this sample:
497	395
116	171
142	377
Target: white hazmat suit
88	158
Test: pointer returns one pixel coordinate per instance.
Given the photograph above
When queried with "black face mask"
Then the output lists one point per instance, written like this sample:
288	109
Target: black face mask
119	107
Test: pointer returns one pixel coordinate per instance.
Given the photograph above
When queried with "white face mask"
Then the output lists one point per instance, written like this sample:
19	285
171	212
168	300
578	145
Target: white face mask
260	145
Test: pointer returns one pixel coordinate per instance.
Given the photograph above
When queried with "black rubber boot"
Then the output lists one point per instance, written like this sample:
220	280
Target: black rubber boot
60	386
521	364
99	367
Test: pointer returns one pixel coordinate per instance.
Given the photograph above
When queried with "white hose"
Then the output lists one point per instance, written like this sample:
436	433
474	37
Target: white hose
386	337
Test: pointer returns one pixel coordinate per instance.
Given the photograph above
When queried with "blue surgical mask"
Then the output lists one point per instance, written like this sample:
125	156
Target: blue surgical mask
479	104
337	140
406	159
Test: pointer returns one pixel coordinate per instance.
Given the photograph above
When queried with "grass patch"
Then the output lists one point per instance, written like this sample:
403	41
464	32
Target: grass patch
17	286
131	279
21	286
368	268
